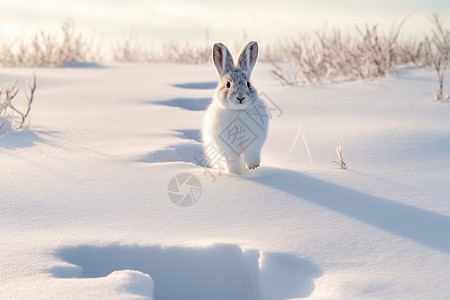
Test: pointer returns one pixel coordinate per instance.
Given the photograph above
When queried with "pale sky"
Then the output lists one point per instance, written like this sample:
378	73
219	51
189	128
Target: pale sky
156	21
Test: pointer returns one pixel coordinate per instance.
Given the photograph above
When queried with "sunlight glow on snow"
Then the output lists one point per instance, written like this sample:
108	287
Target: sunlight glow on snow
166	20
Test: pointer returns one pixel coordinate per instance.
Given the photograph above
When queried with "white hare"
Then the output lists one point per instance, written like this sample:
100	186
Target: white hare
236	122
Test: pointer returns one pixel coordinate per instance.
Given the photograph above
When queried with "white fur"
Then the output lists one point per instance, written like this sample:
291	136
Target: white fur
236	123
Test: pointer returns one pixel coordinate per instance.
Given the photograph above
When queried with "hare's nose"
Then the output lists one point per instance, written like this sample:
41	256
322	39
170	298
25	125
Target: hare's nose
240	99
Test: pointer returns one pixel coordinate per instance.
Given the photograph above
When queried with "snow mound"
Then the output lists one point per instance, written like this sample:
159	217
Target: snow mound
132	283
217	272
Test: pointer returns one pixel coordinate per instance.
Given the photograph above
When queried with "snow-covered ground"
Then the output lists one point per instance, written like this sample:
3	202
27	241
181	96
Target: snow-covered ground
85	209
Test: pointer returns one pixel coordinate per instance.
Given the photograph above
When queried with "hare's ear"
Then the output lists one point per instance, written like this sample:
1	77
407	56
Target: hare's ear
222	59
247	58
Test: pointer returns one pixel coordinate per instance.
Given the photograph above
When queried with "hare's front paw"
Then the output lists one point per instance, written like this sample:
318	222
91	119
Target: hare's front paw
251	167
252	163
252	158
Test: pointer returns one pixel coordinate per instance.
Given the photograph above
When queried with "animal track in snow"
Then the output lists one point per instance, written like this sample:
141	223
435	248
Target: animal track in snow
219	272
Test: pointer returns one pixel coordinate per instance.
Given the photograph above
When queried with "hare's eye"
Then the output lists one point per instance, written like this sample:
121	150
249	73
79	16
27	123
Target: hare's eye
228	84
248	84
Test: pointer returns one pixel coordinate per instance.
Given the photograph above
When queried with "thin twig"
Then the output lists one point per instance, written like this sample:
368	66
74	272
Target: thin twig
340	153
29	95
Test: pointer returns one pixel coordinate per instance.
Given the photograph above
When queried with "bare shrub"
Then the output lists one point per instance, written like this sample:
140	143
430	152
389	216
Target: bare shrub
274	51
329	56
8	109
130	50
185	53
439	50
62	47
172	51
308	58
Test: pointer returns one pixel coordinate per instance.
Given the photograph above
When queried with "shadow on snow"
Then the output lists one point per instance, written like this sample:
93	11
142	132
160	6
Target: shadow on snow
208	85
193	104
425	227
